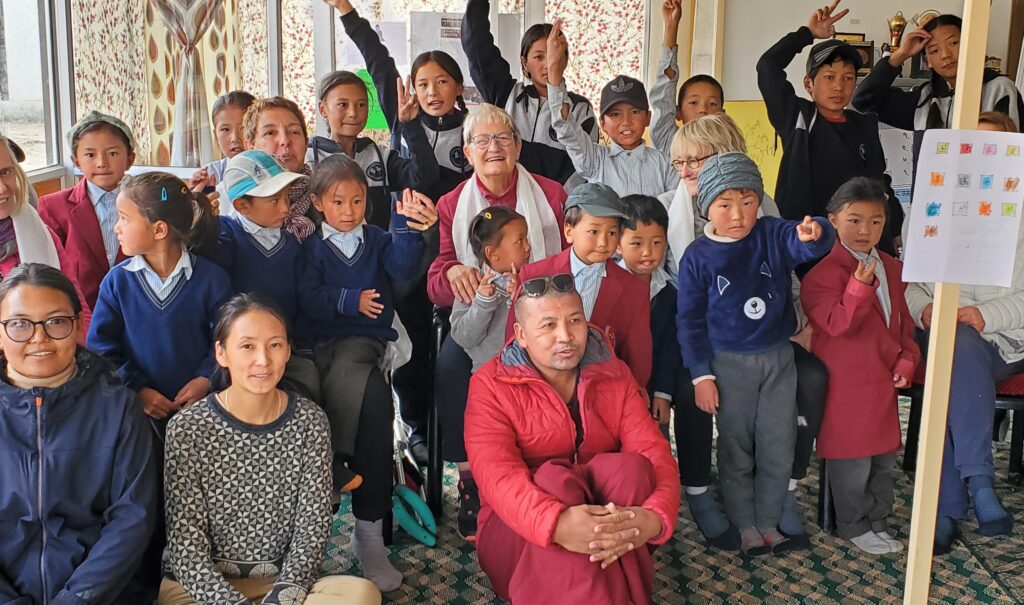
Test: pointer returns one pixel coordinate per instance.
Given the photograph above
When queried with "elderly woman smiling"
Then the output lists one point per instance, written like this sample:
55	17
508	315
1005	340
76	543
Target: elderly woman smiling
492	146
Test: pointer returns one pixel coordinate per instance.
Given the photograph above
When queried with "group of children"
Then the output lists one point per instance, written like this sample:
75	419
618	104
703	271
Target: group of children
679	256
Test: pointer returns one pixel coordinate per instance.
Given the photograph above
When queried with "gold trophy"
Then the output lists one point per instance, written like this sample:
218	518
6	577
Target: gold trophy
896	26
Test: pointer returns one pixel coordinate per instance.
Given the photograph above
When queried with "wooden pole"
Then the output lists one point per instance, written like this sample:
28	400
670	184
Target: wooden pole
943	333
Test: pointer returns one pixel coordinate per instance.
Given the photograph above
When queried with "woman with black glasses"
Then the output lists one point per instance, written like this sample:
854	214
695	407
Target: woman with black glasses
77	478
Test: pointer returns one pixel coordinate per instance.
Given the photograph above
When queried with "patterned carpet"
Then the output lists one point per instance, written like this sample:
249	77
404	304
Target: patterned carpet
980	570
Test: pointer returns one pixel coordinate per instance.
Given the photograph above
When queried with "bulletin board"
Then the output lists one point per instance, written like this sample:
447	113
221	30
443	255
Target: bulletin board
752	118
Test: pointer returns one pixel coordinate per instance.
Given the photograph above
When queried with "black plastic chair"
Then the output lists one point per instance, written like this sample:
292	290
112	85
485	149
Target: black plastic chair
435	463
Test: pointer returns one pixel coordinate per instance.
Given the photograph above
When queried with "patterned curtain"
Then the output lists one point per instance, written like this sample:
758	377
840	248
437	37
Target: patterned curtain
187	21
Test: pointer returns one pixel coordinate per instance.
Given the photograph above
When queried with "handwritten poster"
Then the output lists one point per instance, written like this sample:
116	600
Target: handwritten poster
966	214
752	118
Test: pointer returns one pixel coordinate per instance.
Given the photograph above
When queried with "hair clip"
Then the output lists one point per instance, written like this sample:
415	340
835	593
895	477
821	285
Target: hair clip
487	215
163	194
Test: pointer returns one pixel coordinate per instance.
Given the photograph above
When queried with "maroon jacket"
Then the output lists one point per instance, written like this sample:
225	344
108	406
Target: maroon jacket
622	310
72	217
861	352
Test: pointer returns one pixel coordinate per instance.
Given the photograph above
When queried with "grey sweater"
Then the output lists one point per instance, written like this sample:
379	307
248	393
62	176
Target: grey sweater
247	501
479	327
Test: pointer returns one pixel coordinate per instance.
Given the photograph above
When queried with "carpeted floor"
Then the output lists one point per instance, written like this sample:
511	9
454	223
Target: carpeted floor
980	570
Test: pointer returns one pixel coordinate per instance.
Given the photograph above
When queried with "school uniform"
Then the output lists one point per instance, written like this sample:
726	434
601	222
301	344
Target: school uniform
90	248
386	170
643	170
249	254
818	154
159	333
443	134
864	334
337	267
543	153
735	318
608	291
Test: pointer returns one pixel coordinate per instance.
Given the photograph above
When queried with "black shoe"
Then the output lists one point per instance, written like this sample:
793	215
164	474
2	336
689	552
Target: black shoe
945	536
469	507
420	452
797	541
728	540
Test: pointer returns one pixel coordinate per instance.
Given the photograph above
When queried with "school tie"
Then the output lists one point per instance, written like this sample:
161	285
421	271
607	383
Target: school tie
107	214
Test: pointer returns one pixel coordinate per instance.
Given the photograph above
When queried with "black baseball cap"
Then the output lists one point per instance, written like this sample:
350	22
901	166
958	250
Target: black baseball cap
624	89
825	53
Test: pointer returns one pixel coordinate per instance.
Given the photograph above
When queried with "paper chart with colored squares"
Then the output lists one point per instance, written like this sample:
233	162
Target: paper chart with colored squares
967	208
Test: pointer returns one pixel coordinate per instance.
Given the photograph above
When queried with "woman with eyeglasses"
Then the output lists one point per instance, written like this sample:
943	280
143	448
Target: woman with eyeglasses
492	145
77	453
693	144
24	237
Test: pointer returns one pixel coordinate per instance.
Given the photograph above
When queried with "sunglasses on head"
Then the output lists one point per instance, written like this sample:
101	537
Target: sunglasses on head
538	286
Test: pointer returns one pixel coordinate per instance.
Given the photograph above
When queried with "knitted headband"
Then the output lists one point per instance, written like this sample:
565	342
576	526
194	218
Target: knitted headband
726	171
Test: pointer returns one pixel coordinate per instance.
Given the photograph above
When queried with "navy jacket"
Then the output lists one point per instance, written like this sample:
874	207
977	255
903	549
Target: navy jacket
74	526
667	361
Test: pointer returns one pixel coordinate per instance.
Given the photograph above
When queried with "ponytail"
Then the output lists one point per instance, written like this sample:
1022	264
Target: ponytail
161	196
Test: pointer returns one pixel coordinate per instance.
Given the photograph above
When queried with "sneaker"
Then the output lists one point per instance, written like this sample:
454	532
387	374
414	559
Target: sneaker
469	507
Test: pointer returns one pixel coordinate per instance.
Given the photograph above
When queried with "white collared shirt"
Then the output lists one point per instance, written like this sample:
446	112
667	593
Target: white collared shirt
587	279
346	242
105	204
882	291
162	288
266	237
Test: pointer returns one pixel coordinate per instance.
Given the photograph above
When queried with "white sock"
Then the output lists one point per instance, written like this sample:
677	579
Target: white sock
368	545
894	544
696	491
871	543
792	484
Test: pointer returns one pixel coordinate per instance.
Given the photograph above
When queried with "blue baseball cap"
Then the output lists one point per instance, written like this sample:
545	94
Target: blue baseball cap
255	173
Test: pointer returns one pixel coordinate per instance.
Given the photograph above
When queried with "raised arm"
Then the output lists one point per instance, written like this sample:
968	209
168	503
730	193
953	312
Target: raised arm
663	93
378	60
877	94
490	71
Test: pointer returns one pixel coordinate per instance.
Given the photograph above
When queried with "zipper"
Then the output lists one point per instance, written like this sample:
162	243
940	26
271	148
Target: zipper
39	496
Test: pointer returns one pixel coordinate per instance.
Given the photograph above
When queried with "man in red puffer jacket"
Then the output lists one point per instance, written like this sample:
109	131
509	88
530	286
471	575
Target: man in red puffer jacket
574	475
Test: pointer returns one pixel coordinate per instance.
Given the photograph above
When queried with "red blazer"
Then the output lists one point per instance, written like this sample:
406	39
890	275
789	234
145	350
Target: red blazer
861	352
72	217
622	310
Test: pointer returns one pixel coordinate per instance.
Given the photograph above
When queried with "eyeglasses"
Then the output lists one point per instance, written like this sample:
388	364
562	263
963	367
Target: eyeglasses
483	141
692	163
22	330
538	286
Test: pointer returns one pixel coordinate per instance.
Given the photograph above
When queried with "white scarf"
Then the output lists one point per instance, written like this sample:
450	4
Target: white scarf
35	244
541	224
680	223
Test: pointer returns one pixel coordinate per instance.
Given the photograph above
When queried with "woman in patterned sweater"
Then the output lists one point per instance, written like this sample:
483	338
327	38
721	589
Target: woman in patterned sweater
248	481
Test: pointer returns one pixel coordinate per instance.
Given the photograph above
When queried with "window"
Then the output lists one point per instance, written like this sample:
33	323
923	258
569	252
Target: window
25	82
128	64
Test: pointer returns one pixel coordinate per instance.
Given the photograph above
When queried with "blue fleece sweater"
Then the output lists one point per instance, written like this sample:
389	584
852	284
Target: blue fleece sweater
735	296
331	284
270	273
158	346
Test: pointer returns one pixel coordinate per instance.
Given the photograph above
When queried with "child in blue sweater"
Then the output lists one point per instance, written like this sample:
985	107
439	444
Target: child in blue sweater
735	318
347	302
253	245
155	312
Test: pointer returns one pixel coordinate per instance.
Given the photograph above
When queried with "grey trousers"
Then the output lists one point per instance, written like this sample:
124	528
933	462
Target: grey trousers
344	366
756	433
863	493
